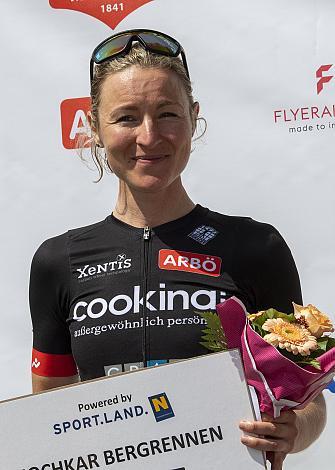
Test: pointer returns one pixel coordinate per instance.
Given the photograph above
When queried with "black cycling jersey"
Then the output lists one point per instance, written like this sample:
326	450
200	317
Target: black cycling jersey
110	297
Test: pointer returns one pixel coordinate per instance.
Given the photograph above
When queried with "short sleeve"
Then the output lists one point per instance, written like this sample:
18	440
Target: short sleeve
265	268
49	305
277	280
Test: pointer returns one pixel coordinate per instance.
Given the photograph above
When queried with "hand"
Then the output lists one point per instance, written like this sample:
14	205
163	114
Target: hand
275	436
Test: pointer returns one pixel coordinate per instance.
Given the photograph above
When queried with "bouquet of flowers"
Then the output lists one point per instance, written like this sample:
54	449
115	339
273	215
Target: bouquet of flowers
288	359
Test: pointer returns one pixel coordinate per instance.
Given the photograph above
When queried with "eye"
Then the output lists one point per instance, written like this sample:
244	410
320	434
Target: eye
126	118
168	114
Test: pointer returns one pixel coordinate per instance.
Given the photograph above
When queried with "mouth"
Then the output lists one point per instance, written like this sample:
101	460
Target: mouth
149	158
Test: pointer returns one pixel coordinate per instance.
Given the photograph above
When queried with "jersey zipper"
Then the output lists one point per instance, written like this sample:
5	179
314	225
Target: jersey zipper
146	241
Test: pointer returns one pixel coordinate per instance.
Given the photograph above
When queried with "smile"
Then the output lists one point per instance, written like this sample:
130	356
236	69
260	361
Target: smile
150	159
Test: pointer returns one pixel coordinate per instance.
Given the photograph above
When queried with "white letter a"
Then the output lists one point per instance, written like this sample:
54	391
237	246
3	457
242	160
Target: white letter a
79	125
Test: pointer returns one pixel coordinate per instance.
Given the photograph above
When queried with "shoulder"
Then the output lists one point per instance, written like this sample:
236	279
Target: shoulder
246	228
54	251
248	237
91	229
261	262
50	251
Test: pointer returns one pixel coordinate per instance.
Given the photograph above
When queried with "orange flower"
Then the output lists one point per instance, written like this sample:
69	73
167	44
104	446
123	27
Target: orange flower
253	316
290	336
318	322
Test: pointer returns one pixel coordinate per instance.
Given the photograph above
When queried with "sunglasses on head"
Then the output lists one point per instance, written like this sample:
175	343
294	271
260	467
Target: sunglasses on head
121	43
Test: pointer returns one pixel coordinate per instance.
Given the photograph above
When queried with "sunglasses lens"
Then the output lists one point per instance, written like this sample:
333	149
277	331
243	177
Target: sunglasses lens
112	47
159	43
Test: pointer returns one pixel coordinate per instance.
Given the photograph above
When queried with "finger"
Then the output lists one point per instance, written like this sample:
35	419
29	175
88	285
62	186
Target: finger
284	418
277	461
270	456
264	428
264	444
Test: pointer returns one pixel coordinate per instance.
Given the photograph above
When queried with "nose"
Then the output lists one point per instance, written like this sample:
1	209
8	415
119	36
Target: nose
148	134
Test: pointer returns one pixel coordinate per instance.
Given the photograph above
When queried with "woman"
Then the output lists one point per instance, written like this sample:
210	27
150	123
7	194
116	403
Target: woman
124	293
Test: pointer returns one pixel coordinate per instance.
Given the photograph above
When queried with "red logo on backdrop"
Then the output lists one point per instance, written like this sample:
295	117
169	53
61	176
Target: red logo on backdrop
109	12
323	78
172	260
74	120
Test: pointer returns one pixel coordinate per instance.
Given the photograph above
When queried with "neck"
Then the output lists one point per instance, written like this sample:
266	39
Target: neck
144	209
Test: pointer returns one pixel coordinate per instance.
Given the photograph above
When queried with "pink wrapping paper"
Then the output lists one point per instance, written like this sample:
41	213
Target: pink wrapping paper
279	382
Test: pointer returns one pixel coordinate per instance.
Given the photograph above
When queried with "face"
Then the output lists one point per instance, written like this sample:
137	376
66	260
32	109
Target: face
146	127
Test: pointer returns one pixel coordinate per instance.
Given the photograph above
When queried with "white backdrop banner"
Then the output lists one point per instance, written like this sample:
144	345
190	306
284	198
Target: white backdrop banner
264	74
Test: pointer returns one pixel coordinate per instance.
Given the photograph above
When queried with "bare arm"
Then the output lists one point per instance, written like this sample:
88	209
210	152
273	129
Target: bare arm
292	432
310	423
40	383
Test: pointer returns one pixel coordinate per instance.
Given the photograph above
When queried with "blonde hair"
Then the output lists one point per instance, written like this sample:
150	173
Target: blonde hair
142	58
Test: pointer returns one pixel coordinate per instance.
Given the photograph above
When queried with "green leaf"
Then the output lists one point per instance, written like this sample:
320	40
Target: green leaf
311	362
330	343
212	347
322	344
258	322
213	337
325	343
258	329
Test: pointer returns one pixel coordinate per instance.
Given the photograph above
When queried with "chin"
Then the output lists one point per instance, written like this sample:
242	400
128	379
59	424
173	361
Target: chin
150	184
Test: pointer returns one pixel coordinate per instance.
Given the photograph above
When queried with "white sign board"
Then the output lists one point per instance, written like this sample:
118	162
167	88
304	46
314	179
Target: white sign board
182	416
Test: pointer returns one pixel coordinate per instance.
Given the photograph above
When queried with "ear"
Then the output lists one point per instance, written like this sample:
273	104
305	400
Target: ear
94	130
195	114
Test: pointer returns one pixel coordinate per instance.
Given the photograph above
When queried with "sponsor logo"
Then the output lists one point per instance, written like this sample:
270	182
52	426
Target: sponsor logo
161	407
156	362
75	126
322	79
304	114
109	12
132	366
162	300
203	234
121	263
113	369
331	386
36	363
196	263
317	117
